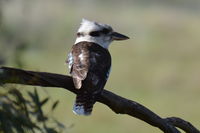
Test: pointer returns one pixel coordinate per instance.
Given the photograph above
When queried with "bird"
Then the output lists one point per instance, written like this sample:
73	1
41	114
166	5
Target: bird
89	62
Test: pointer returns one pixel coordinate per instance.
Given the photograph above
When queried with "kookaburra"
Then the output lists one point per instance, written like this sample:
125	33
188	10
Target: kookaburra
90	62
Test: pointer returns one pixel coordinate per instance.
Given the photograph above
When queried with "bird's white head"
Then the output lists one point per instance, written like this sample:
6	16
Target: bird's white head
101	34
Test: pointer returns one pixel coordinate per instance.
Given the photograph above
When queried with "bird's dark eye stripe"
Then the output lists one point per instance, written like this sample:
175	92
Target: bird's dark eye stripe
95	33
105	31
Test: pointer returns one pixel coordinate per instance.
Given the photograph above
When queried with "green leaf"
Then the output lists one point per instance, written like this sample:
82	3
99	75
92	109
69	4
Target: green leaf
59	124
55	105
31	95
44	101
36	96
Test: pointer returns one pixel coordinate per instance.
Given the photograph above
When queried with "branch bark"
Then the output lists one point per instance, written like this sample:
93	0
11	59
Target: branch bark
117	103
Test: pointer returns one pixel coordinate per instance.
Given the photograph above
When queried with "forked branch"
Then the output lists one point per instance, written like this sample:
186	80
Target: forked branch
117	103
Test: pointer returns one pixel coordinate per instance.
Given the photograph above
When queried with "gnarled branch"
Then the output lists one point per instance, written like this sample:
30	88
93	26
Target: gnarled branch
117	103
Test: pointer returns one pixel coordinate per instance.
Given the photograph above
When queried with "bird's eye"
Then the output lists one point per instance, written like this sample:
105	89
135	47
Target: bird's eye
105	31
94	33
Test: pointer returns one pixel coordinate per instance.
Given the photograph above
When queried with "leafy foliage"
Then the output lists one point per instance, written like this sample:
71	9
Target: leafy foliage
20	114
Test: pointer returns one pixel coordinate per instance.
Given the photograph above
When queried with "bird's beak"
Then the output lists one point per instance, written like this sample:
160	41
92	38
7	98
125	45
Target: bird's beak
118	37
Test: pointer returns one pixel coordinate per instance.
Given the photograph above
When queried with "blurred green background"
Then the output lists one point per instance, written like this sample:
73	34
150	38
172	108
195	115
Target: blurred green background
158	67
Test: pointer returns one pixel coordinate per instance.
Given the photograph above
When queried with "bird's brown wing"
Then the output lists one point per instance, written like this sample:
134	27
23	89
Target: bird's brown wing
79	64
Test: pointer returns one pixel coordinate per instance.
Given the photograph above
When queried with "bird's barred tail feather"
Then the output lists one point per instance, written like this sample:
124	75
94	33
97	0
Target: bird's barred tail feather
84	104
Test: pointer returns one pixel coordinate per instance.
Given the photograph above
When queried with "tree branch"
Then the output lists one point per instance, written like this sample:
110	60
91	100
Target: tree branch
117	103
182	124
